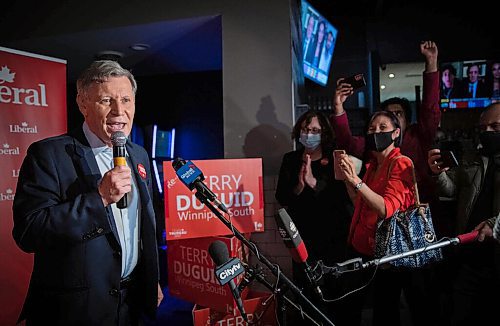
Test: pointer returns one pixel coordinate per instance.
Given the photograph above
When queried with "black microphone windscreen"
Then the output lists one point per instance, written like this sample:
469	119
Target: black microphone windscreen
177	163
118	138
219	252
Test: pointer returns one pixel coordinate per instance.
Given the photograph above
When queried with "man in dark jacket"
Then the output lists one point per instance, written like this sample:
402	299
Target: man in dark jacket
475	185
95	263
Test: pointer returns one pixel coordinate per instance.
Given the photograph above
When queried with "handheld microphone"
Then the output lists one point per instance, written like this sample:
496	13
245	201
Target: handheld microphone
294	243
118	139
192	177
226	270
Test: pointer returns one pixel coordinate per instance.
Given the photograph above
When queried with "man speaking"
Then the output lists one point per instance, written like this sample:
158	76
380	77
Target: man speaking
95	263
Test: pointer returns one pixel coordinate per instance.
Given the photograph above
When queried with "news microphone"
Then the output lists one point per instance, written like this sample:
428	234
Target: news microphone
118	139
294	243
226	270
468	237
192	177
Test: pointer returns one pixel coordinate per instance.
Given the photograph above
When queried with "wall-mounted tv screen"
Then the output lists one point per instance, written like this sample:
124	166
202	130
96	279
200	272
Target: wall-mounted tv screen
469	84
318	43
162	143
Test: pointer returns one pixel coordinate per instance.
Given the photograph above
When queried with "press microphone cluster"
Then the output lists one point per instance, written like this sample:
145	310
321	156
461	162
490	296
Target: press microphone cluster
226	270
294	243
118	139
193	178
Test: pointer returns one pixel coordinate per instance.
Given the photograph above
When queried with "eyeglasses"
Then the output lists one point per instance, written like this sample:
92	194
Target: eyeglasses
310	131
399	113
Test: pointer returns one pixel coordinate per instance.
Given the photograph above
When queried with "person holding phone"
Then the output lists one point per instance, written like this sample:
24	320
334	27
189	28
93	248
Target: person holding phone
416	139
317	203
387	186
476	186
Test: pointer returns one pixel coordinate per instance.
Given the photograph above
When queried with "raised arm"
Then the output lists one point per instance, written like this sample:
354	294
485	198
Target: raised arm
429	114
353	145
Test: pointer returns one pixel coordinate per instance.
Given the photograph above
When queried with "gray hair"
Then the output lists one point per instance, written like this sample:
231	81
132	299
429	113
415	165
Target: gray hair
99	71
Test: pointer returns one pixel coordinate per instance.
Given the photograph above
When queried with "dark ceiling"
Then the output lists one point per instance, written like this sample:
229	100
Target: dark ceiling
186	45
392	28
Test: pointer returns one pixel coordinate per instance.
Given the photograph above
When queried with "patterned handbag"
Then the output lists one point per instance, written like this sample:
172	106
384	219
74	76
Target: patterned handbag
405	231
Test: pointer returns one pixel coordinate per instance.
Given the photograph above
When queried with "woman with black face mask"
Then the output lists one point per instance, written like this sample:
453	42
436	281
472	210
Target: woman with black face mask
387	186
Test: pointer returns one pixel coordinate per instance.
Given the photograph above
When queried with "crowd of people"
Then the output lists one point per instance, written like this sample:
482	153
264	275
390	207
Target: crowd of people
97	264
450	292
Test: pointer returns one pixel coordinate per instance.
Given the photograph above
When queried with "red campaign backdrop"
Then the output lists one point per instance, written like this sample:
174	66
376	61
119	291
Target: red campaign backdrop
191	273
32	107
260	309
236	182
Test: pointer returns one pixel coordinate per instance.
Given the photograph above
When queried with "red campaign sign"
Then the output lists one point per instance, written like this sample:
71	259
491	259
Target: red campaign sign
32	107
191	274
259	307
236	182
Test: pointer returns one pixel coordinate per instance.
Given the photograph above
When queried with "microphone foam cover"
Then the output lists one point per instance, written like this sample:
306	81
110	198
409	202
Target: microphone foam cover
219	252
177	163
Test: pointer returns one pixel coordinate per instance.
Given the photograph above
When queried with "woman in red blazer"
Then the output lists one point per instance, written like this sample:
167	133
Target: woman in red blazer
387	186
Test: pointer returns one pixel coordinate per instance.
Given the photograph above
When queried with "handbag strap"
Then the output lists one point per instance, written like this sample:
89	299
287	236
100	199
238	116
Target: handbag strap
415	188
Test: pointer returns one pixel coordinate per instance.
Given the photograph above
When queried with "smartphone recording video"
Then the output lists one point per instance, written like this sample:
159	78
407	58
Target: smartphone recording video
356	81
336	164
449	159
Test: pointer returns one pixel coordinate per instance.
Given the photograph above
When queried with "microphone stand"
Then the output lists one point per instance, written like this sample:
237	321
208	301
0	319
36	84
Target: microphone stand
256	273
357	263
253	247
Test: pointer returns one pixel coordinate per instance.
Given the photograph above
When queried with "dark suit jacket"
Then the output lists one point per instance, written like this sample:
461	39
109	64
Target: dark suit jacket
481	90
59	216
311	50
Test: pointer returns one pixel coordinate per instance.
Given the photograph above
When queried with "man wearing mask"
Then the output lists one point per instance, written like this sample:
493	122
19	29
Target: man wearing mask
476	186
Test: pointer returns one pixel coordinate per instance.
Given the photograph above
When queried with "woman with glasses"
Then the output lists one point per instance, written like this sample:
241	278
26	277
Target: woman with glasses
318	204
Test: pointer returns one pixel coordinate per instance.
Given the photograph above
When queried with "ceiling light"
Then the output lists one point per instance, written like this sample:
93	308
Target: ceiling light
382	86
391	75
139	47
109	55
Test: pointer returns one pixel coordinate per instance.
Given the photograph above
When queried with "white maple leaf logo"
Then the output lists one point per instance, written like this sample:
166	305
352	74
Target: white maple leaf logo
9	191
6	146
6	75
24	124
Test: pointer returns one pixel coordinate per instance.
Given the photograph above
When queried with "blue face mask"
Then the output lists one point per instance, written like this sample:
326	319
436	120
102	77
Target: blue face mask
310	141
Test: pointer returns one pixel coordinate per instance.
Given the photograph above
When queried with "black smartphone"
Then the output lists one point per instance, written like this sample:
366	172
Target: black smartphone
449	159
356	81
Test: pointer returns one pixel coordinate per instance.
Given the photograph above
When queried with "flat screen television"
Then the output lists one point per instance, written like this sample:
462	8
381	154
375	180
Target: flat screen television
318	42
469	84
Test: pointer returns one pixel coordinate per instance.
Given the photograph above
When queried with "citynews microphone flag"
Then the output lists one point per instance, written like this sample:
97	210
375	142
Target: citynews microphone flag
33	107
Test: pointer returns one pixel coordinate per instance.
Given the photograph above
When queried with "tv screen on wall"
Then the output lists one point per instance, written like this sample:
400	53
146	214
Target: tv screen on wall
469	84
318	42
